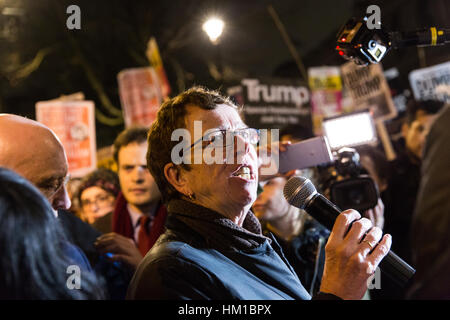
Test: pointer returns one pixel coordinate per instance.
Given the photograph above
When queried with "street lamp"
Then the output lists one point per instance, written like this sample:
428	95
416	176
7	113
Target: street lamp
213	28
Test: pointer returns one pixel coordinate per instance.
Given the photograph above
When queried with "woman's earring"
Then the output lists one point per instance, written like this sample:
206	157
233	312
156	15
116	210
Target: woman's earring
191	196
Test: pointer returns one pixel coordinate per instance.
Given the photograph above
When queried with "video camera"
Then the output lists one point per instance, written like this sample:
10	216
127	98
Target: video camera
355	41
344	183
362	45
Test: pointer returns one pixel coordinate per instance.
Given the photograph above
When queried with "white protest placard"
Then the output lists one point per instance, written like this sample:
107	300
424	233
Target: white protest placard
369	89
426	82
73	122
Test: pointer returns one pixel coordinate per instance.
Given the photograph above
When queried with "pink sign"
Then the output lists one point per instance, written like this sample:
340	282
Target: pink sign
140	95
73	122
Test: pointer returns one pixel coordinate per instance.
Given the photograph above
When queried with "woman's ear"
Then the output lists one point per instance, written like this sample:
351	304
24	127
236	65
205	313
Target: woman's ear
175	176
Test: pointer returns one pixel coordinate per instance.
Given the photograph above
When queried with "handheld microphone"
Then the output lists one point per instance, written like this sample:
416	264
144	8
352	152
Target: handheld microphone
301	193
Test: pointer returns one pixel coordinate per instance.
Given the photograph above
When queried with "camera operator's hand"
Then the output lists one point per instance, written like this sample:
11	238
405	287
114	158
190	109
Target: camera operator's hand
352	257
376	214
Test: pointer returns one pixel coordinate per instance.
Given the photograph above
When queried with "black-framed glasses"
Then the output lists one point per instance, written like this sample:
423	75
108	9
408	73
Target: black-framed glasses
224	138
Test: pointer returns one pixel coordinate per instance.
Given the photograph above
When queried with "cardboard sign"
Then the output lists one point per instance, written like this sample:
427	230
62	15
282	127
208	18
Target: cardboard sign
140	96
426	82
73	122
369	90
273	103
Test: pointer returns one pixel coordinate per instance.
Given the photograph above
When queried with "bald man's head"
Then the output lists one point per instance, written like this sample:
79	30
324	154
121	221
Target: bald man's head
32	150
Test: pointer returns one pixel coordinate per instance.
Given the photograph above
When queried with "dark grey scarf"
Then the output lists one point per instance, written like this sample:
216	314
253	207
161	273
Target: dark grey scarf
218	231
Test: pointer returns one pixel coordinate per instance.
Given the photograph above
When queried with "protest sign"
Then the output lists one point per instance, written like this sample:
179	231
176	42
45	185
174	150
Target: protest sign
326	93
369	89
273	103
426	82
140	95
73	122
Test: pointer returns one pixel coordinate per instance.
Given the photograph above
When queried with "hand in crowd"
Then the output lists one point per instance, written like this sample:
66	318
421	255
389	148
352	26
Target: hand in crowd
123	249
349	257
376	215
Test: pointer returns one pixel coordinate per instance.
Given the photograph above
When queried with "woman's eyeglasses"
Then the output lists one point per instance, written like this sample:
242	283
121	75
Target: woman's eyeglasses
100	201
224	138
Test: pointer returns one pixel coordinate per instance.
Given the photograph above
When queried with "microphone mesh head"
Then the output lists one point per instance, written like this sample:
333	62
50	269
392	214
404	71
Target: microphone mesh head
297	190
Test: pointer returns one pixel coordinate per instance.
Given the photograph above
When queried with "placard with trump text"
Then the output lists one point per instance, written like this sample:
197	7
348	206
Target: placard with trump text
273	103
73	122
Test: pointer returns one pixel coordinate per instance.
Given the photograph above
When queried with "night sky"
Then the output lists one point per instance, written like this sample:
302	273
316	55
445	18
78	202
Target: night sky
114	35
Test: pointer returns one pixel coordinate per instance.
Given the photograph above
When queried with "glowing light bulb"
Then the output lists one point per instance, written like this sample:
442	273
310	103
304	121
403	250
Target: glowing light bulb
213	28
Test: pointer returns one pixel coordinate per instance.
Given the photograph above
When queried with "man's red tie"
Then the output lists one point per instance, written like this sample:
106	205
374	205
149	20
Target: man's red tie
144	235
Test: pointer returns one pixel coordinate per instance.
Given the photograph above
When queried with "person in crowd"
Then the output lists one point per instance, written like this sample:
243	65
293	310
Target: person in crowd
97	194
32	150
35	257
139	215
213	247
35	152
403	184
430	235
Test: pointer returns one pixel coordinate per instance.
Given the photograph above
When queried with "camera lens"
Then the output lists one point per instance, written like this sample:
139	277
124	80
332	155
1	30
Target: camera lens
356	196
